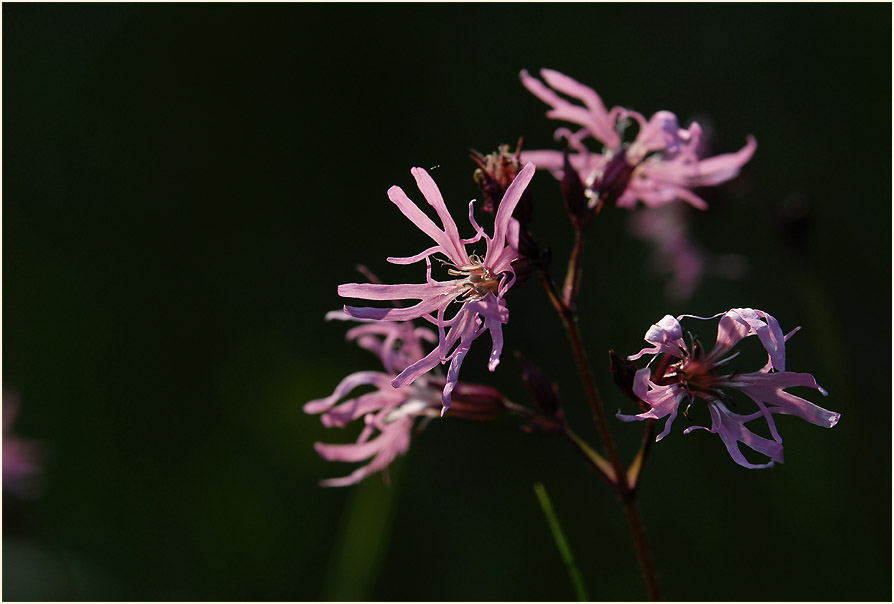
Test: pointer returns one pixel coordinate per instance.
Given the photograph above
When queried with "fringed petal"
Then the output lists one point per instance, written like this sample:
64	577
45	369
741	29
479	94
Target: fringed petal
361	378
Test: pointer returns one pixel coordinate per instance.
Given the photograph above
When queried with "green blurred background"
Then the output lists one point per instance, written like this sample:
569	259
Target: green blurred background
184	186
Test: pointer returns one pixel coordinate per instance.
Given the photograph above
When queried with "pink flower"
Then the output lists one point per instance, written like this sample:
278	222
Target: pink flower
690	374
675	252
479	288
21	458
658	167
389	414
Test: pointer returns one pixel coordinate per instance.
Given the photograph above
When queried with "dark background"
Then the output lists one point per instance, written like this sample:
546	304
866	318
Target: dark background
184	186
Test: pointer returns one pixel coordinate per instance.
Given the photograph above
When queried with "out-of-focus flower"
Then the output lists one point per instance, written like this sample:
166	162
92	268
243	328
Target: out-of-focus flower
676	253
479	288
21	458
659	166
389	414
691	375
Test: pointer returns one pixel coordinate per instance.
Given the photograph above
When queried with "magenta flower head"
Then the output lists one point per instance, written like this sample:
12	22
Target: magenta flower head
686	373
478	288
389	414
659	166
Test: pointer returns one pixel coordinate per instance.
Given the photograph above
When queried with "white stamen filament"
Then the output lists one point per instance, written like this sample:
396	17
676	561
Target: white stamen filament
479	280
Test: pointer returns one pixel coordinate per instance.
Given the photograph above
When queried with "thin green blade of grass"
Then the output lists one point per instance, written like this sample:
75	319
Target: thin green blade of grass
362	545
561	542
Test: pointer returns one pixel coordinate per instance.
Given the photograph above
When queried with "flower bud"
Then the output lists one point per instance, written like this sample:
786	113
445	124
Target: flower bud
541	389
524	264
622	372
474	402
614	181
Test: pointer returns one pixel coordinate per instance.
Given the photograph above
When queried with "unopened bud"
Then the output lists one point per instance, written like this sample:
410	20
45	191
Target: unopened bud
623	372
476	402
541	389
614	181
523	267
528	248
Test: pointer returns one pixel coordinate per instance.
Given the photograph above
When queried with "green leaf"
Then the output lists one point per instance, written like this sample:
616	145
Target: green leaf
561	542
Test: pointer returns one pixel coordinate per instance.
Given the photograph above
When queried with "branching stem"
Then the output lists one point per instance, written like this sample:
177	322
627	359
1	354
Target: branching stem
626	494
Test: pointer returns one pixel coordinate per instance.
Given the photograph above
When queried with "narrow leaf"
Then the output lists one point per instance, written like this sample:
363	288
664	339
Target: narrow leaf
561	542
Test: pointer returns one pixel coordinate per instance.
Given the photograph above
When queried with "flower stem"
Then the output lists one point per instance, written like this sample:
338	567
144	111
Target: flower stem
626	494
572	277
642	550
570	321
597	462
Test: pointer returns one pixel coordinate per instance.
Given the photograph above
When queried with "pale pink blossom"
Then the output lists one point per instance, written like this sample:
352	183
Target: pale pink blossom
659	166
388	414
690	375
676	253
479	287
21	458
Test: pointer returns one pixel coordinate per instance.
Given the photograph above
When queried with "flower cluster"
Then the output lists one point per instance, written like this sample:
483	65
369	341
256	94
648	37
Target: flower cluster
653	161
690	375
659	166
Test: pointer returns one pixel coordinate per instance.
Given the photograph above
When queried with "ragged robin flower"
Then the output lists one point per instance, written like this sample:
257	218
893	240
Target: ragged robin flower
477	289
657	167
390	414
686	375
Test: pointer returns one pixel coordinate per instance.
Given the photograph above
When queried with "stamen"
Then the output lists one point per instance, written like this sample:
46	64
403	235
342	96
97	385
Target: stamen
479	280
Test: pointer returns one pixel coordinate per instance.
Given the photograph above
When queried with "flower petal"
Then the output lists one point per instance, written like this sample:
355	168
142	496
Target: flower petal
451	247
399	314
456	251
731	429
769	388
666	337
394	441
346	412
409	291
661	133
663	400
497	244
596	118
739	323
649	188
420	367
361	378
